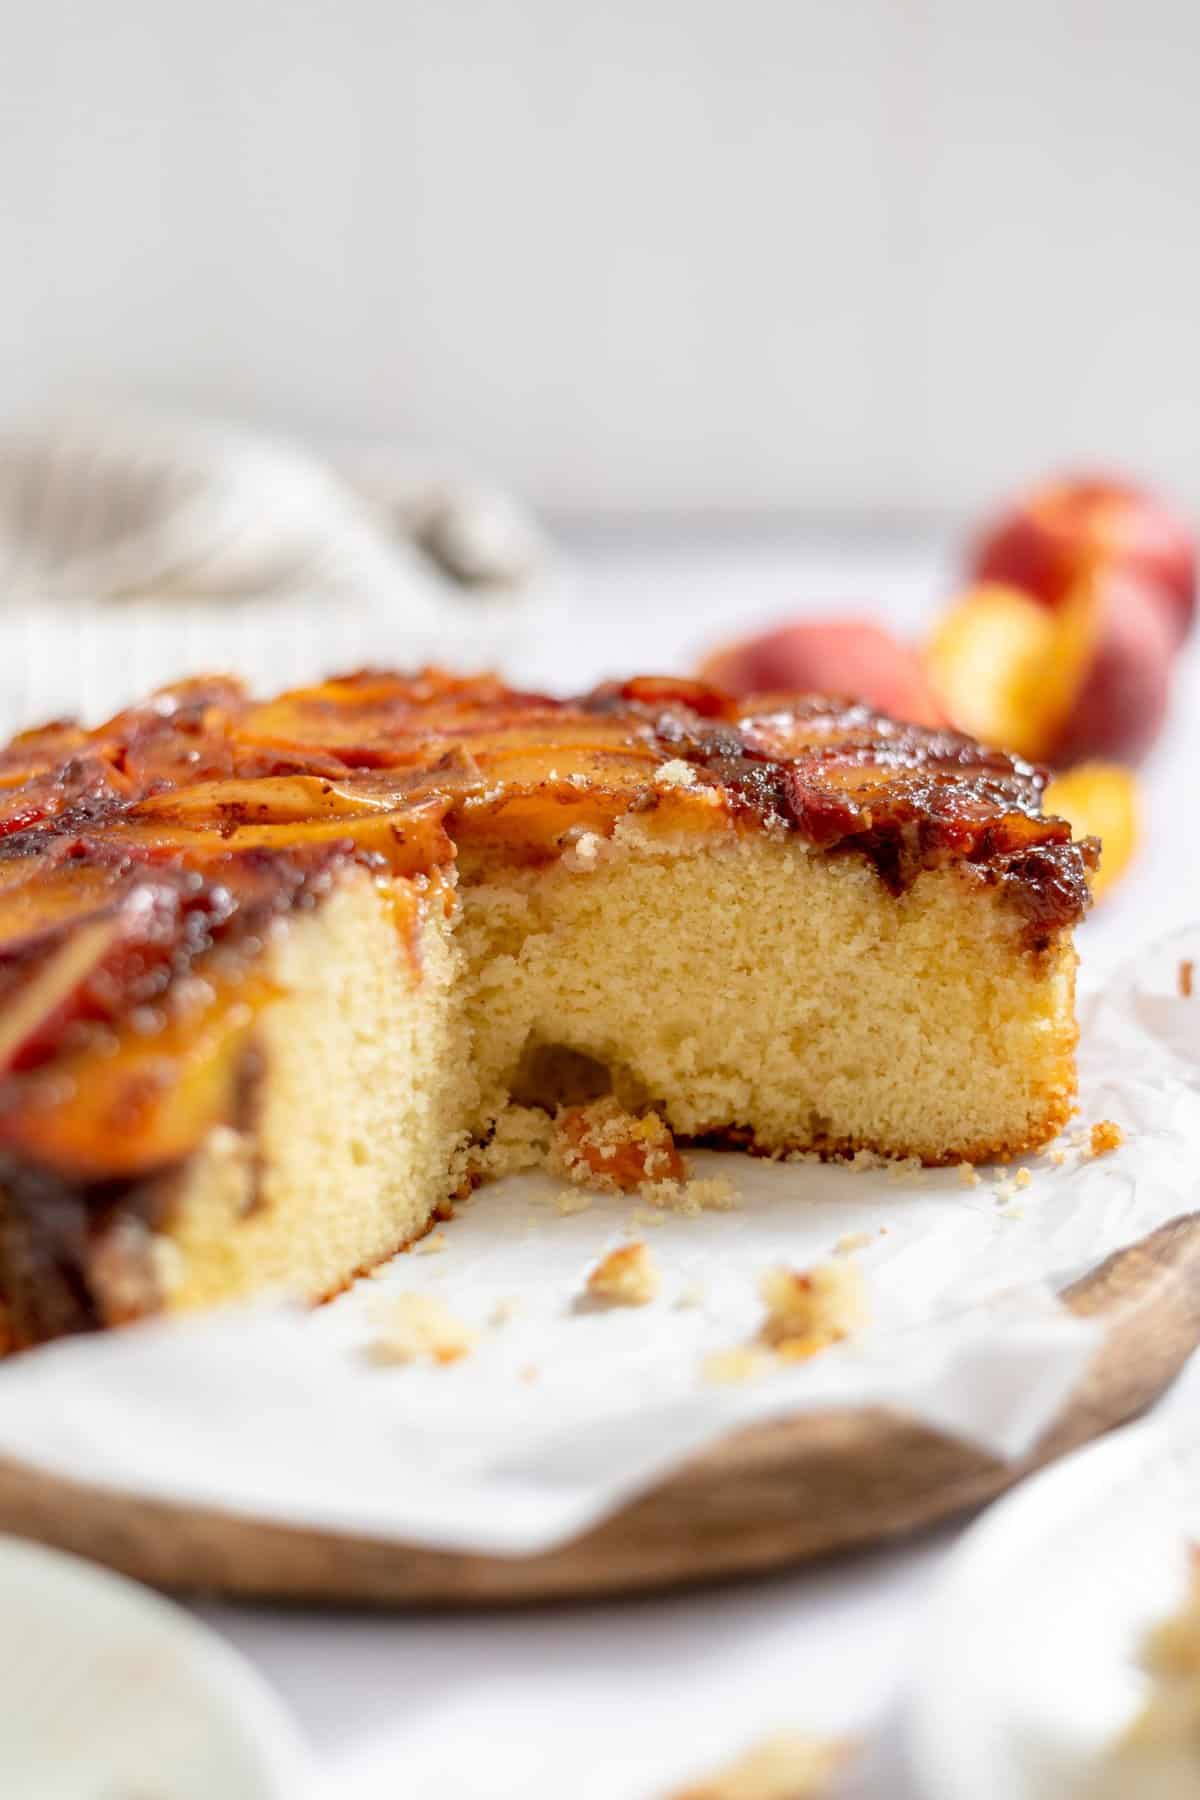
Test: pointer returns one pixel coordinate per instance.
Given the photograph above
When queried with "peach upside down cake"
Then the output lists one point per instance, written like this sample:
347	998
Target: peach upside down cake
272	972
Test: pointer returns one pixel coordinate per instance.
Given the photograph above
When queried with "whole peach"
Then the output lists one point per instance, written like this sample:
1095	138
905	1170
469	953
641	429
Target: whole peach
850	657
1067	530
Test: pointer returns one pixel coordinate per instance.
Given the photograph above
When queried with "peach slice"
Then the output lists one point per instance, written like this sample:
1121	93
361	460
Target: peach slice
146	1105
33	1010
1070	529
997	665
1099	799
847	658
268	800
408	840
1086	679
1120	701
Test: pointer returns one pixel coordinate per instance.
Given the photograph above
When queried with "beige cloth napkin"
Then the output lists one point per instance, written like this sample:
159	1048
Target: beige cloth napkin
137	548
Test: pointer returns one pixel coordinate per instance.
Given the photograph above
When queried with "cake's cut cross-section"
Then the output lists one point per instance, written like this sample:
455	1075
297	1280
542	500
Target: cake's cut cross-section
273	974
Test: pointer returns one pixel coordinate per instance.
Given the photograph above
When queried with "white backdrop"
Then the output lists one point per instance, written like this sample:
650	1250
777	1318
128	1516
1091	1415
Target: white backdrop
842	257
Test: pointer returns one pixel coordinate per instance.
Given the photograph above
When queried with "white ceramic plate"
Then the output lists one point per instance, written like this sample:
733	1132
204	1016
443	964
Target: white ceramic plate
108	1692
1028	1672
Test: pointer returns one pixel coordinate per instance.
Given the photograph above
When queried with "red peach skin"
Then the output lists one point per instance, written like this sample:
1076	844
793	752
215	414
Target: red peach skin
1122	702
1070	529
850	657
1087	679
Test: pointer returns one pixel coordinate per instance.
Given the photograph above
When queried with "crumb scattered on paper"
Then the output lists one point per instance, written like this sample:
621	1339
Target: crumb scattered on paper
906	1171
1105	1137
602	1146
789	1766
504	1311
709	1193
850	1241
968	1175
860	1162
432	1244
412	1327
1186	972
627	1276
1023	1178
807	1311
740	1362
810	1309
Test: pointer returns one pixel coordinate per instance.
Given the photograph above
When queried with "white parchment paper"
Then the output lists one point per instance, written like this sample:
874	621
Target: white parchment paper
564	1411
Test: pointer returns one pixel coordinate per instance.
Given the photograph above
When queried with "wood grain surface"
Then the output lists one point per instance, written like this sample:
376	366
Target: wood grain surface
777	1493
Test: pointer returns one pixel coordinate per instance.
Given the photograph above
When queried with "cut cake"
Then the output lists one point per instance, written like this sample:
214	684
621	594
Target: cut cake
271	972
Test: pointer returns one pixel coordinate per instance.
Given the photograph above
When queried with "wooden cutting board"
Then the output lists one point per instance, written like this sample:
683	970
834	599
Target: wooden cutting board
774	1494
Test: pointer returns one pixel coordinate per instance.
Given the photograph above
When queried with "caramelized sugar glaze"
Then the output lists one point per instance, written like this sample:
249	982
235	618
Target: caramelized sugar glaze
142	864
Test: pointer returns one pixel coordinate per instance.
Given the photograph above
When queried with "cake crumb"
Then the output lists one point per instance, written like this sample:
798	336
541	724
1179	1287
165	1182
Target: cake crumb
810	1309
741	1362
1023	1177
646	1218
432	1244
710	1193
586	850
864	1161
675	774
520	1140
627	1276
531	1373
412	1327
568	1203
968	1175
1106	1136
850	1241
1187	970
504	1311
1056	1158
789	1766
905	1170
603	1146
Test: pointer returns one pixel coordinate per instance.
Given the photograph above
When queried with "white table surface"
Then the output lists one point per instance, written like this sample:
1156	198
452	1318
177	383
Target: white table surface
622	1700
